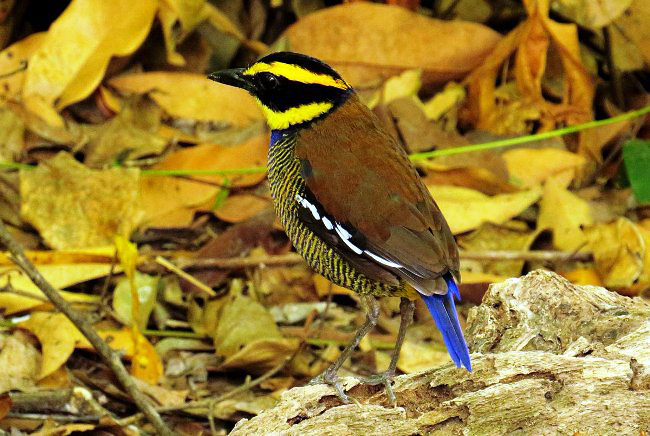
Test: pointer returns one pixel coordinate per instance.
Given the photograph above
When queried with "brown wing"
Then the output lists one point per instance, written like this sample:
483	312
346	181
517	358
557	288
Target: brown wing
362	178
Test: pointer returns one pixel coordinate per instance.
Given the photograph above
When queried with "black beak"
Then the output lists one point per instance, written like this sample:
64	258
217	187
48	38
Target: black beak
233	77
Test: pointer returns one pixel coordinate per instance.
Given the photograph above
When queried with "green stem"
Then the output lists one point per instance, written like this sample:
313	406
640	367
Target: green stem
414	157
173	334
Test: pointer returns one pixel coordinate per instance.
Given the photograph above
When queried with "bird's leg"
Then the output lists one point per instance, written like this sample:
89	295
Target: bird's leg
330	376
407	307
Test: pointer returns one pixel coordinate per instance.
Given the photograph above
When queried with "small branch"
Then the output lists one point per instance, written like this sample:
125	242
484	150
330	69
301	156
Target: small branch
111	358
182	274
295	258
543	256
239	262
210	402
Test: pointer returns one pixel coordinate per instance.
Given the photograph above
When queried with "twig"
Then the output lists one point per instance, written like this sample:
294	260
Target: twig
182	274
295	258
544	256
111	358
208	401
239	262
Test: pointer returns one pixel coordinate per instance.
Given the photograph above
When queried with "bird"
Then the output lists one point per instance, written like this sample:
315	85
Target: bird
352	203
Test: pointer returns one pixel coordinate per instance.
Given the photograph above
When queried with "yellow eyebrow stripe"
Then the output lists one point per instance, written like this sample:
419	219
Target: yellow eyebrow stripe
295	115
294	72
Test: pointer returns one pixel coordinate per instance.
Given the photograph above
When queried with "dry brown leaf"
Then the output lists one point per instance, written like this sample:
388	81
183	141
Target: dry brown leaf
243	320
593	14
490	237
565	214
193	96
170	202
529	167
73	206
13	59
619	250
466	209
71	60
530	40
479	179
368	42
630	33
241	207
20	362
178	18
58	338
261	355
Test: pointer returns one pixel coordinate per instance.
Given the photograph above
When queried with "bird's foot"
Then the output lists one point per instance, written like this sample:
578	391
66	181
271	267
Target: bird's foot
330	377
386	379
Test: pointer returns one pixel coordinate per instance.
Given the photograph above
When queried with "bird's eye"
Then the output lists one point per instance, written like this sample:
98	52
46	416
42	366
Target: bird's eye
268	81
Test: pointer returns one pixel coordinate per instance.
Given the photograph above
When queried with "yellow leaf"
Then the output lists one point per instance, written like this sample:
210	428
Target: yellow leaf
146	364
564	213
14	59
444	101
530	166
583	277
73	206
466	209
193	96
58	338
406	84
71	61
619	251
187	13
60	276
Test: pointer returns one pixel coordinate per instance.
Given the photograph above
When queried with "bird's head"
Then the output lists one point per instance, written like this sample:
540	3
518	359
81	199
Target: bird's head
292	89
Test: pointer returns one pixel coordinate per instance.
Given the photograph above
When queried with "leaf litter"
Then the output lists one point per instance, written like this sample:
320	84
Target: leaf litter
109	111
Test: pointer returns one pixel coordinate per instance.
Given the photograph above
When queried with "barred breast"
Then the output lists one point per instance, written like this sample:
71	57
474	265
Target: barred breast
287	189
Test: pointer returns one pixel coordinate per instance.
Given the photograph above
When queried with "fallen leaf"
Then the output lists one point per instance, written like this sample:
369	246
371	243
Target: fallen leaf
629	35
529	167
20	362
71	60
491	237
261	355
60	276
5	405
132	133
530	41
147	290
58	338
584	277
442	102
368	42
324	287
619	250
193	96
14	59
178	18
478	179
407	84
242	321
466	209
170	202
12	131
242	207
73	206
589	13
565	214
146	363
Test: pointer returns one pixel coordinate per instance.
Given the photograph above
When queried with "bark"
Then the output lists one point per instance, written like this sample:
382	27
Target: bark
549	358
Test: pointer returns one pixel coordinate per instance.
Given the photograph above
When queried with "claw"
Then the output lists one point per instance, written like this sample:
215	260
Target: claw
329	377
386	379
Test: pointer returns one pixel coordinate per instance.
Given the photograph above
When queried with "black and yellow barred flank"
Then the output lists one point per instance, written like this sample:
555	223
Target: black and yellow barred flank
347	195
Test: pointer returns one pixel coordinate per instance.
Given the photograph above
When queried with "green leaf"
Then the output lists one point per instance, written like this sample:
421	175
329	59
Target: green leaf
636	156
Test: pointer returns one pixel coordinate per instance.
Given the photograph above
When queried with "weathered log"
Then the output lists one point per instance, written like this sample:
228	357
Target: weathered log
549	358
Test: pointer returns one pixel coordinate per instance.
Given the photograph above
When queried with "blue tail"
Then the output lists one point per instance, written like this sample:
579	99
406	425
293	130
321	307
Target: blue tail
443	310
